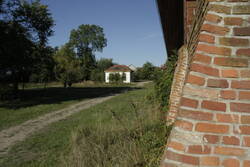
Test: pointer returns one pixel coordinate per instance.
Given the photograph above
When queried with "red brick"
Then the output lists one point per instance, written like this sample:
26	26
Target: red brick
229	151
245	73
228	94
231	62
231	140
230	73
182	158
241	84
176	145
196	80
242	31
189	102
212	105
212	139
214	50
234	41
202	58
196	115
206	38
247	141
240	107
220	8
167	164
199	149
233	21
244	130
205	70
210	161
184	125
213	18
246	163
241	9
211	128
227	118
231	163
215	29
243	52
244	95
245	119
215	83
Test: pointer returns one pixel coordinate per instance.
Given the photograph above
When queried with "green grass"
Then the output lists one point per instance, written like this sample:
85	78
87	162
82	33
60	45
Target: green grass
126	131
34	102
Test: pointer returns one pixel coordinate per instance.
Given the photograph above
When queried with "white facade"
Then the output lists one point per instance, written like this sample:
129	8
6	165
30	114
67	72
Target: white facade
127	74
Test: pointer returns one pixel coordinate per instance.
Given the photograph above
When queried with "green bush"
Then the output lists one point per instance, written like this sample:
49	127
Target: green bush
164	79
117	78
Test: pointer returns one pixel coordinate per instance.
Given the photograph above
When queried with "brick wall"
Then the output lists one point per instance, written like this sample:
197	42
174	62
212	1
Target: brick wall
190	6
213	121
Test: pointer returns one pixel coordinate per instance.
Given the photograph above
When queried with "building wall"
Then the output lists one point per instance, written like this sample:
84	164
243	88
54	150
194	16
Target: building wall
212	126
127	80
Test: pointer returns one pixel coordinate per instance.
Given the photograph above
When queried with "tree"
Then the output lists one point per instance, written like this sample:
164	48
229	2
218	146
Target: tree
24	28
86	40
68	68
146	72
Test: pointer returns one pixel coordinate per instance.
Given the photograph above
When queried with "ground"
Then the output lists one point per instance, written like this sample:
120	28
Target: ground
45	136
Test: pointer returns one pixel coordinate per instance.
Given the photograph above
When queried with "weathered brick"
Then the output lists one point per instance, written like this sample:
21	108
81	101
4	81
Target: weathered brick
212	139
231	62
201	92
242	31
246	141
215	29
244	95
244	130
214	50
229	151
210	161
220	8
216	83
231	140
243	52
211	128
212	105
245	73
182	158
228	94
231	163
196	115
240	107
246	163
196	80
204	69
245	84
189	102
202	58
245	119
234	41
227	118
184	125
213	18
233	21
230	73
176	145
206	38
241	9
199	149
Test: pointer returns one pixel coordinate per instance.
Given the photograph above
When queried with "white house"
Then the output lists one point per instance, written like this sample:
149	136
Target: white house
120	69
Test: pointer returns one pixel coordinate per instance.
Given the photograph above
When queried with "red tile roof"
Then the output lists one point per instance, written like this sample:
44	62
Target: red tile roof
118	68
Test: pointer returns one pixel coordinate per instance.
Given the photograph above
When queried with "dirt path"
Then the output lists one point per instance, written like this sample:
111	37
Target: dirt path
12	135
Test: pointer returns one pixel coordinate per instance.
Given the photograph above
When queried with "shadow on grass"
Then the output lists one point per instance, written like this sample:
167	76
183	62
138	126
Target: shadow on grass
32	97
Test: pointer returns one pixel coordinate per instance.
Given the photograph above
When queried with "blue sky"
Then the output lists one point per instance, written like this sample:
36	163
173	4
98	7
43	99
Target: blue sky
132	27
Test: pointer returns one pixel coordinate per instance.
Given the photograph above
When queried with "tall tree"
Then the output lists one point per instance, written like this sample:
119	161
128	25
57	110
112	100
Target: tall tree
86	40
67	67
25	28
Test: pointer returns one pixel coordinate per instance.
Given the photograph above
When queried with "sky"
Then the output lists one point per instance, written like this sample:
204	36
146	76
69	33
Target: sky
132	27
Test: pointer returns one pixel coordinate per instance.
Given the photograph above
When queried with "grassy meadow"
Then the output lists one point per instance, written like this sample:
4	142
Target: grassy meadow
125	131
